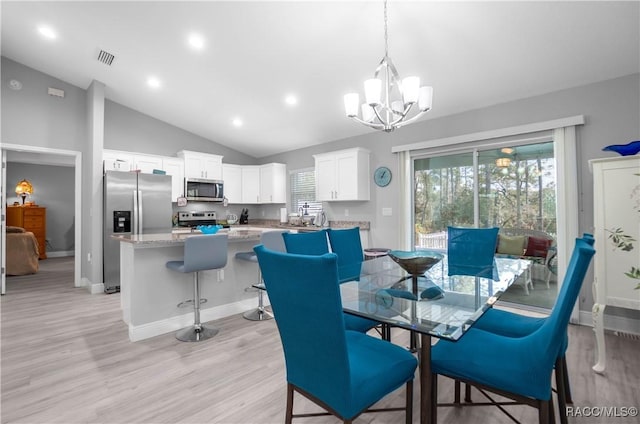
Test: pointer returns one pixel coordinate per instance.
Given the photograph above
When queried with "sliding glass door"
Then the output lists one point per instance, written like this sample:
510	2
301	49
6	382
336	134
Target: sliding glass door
511	187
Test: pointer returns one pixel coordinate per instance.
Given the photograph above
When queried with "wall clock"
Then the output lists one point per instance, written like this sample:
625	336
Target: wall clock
382	176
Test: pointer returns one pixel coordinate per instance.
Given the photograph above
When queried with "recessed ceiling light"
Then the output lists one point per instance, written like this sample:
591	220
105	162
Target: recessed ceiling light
237	122
196	41
153	82
47	32
291	100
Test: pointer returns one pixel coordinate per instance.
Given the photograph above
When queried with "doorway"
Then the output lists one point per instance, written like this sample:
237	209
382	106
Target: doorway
56	157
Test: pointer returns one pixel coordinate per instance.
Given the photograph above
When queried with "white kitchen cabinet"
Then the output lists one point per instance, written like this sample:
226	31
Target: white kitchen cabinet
273	183
616	213
201	165
343	175
146	163
232	177
117	161
175	168
251	184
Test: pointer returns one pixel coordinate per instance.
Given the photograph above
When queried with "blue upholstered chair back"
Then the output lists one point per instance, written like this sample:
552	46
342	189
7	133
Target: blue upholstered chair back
305	298
311	243
348	246
555	326
205	252
470	251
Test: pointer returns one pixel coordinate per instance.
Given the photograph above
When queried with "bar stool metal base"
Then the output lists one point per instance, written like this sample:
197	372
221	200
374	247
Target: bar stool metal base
258	314
193	334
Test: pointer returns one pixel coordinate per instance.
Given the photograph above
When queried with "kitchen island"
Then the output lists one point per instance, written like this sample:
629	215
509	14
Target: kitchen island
150	292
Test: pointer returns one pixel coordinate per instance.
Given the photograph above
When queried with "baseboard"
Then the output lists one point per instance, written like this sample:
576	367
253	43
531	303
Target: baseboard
612	323
169	325
60	253
91	287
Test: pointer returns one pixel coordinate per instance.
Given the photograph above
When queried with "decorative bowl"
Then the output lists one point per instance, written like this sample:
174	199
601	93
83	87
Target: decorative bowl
209	229
416	262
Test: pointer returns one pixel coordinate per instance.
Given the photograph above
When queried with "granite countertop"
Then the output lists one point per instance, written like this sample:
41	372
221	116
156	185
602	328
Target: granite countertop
235	235
274	223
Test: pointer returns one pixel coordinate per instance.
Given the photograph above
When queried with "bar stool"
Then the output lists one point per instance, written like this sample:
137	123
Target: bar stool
272	240
200	253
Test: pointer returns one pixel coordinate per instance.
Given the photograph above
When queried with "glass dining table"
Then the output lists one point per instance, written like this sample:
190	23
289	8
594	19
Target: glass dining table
432	304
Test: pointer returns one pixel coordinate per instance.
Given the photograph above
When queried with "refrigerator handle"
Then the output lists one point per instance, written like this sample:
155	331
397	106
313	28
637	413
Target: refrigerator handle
140	212
134	230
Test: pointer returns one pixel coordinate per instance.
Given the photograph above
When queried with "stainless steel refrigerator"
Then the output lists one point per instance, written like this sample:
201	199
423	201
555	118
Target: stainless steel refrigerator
134	203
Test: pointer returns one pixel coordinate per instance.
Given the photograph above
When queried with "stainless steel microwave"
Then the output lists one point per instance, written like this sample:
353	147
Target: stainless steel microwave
197	189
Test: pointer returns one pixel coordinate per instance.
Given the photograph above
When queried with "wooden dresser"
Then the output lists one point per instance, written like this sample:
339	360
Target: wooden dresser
33	219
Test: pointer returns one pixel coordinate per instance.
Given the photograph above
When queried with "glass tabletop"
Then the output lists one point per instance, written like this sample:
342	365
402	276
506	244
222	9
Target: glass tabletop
433	303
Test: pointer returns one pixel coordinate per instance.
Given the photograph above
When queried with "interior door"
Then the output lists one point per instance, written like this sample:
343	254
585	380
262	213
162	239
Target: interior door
3	221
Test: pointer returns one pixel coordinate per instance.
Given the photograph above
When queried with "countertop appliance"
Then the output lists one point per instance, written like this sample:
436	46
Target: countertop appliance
134	203
201	190
194	218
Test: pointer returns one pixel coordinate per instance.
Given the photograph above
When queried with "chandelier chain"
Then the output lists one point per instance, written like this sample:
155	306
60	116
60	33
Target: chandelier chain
386	33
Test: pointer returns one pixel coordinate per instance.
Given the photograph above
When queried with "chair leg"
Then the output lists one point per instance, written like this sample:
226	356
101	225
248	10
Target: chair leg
409	403
567	387
561	391
197	332
289	413
456	392
467	393
543	412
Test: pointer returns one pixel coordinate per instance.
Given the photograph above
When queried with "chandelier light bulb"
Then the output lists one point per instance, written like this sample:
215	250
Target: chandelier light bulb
351	103
410	89
425	98
368	115
372	91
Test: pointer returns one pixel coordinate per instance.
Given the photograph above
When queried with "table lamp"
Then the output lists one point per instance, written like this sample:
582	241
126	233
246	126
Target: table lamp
23	188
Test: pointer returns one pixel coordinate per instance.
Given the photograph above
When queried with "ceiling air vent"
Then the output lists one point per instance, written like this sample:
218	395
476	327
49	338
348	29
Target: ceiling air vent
105	57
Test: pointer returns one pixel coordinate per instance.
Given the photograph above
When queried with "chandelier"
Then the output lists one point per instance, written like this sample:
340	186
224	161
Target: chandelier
380	111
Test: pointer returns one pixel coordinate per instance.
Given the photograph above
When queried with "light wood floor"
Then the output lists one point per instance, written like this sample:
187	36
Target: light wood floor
66	358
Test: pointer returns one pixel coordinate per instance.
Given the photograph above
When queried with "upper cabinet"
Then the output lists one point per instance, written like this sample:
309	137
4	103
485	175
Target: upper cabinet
117	161
342	175
251	184
201	165
175	168
232	177
146	163
273	183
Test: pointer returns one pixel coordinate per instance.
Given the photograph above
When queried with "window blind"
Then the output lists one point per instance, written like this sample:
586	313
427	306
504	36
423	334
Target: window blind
303	191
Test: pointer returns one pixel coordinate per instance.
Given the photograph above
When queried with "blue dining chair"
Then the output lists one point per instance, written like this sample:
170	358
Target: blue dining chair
346	243
345	372
519	368
307	243
470	251
516	325
315	243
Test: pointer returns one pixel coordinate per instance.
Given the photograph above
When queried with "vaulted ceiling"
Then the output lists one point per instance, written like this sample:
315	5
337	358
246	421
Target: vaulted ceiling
254	54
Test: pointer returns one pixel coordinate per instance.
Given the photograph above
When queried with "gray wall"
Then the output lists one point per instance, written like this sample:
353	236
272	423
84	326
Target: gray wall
129	130
53	189
612	111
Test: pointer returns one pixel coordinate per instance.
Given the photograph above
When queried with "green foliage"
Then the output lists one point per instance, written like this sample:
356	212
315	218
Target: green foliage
621	240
